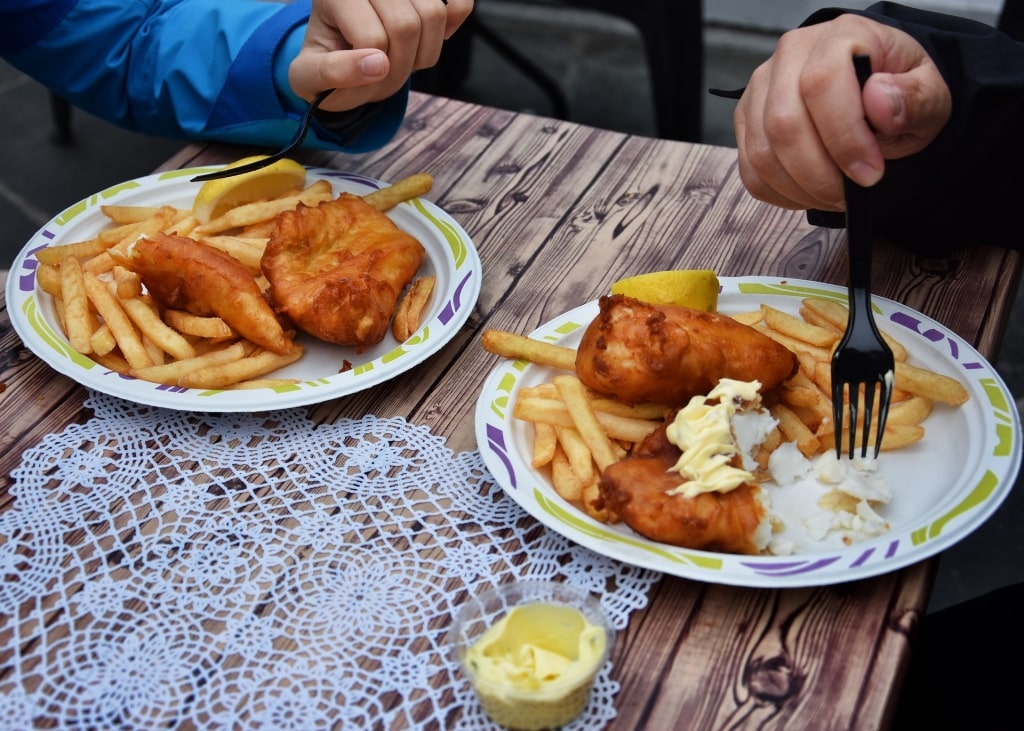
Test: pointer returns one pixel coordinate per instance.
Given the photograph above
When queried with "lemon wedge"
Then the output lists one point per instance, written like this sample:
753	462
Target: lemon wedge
693	288
220	195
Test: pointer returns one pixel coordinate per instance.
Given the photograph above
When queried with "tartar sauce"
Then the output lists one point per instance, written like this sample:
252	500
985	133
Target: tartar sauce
703	431
544	649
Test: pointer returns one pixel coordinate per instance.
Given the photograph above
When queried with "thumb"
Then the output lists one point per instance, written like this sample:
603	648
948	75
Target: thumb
313	71
907	110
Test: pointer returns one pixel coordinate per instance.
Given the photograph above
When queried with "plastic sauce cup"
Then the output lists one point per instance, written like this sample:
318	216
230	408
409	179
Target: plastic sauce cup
531	650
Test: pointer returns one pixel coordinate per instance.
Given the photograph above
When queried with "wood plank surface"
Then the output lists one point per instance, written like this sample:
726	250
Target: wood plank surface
557	212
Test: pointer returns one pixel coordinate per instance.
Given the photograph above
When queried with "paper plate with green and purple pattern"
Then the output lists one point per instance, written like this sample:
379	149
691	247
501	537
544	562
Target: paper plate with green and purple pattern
324	372
944	487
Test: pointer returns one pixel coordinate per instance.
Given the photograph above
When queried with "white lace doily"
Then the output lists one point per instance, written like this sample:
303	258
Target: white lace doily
165	569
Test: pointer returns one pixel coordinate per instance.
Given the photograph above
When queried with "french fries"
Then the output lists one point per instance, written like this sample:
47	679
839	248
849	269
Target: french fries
545	444
520	347
835	314
801	330
78	320
405	189
808	394
222	375
409	313
574	394
795	429
129	214
211	328
173	372
578	433
556	412
934	386
252	213
107	314
564	477
109	308
146	317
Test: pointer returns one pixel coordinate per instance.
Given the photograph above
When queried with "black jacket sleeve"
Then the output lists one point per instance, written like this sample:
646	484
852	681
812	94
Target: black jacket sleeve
968	185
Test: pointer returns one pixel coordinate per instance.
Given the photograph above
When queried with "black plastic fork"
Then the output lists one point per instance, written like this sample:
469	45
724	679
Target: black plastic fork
862	358
293	144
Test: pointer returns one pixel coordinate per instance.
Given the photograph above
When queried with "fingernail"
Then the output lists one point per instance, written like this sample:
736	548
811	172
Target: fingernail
373	64
895	96
864	173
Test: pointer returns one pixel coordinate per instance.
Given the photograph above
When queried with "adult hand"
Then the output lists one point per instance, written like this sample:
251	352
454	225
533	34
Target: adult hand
367	49
803	120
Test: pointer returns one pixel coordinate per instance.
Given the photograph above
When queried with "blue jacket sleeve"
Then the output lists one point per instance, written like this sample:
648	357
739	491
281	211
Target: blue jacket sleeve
192	69
966	185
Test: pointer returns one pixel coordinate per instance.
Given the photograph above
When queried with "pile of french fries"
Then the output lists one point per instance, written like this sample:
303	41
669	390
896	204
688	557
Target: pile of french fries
804	405
107	314
577	433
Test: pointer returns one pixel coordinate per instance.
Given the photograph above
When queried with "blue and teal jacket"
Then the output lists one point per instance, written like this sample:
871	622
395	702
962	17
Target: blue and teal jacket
191	69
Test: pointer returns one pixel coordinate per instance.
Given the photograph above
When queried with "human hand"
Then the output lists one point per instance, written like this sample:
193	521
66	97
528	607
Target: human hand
803	122
367	49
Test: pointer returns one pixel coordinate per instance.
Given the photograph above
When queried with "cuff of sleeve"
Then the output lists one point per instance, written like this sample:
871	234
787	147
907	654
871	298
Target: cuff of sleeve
363	129
287	51
823	15
828	219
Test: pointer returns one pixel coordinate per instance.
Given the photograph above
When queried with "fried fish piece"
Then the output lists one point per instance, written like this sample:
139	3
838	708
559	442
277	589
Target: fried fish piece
337	269
640	352
184	274
636	489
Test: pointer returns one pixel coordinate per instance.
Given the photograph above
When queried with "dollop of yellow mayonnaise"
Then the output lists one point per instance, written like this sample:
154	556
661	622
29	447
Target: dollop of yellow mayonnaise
542	649
703	431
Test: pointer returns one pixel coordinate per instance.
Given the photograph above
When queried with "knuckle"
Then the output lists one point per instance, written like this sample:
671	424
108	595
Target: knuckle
370	38
782	126
814	80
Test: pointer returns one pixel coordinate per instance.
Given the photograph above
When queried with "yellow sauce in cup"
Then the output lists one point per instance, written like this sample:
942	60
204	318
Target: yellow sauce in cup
534	668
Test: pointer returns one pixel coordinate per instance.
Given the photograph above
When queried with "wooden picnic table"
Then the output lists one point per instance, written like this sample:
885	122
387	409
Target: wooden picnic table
558	211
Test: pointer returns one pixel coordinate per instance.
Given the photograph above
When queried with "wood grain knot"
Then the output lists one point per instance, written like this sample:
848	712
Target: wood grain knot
774	679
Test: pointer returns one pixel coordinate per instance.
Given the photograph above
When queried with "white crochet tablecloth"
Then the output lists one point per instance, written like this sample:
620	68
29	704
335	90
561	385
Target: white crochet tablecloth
166	569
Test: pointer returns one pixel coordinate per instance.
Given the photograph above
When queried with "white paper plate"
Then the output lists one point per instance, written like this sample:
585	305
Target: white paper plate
944	487
451	257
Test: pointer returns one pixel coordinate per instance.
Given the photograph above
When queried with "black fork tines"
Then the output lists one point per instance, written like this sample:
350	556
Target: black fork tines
840	396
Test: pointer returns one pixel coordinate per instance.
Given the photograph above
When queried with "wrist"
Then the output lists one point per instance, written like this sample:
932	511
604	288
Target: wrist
283	57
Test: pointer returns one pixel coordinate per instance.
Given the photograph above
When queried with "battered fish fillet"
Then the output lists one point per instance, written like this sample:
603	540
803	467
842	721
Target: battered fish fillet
636	489
185	274
337	269
663	354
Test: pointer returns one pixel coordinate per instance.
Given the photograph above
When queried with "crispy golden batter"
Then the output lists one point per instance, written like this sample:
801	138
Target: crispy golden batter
337	269
636	490
663	354
184	274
